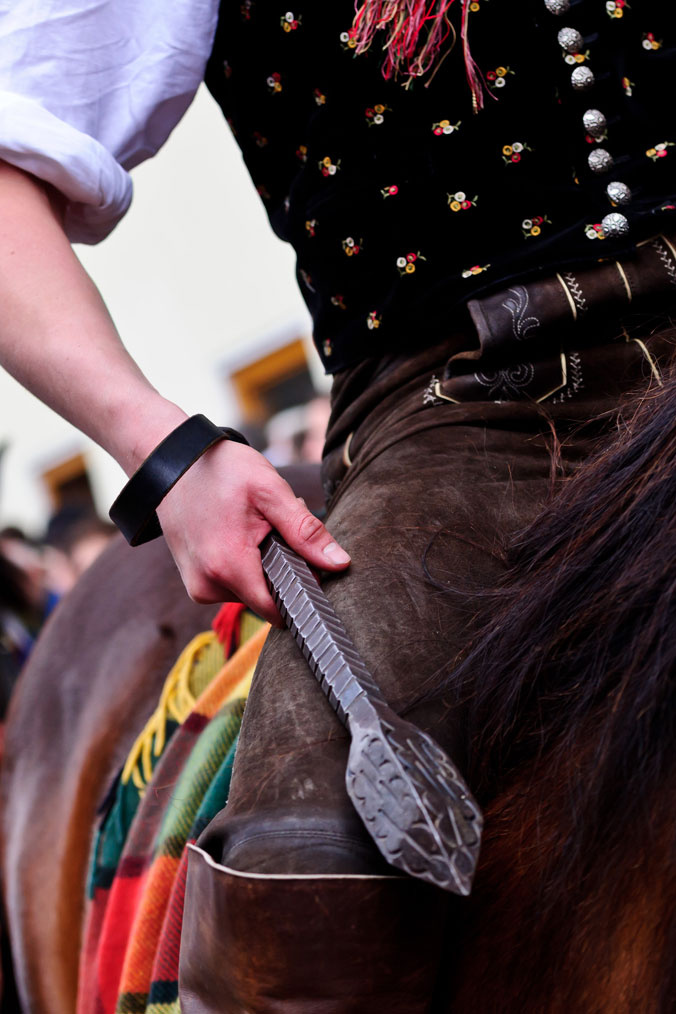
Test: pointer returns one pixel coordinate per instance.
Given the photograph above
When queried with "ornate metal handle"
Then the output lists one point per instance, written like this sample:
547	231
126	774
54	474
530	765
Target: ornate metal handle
412	799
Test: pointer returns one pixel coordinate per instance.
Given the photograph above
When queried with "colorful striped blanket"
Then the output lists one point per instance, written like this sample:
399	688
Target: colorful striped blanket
175	781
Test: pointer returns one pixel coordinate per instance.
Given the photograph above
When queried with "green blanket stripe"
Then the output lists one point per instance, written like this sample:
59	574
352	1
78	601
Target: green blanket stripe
198	773
111	835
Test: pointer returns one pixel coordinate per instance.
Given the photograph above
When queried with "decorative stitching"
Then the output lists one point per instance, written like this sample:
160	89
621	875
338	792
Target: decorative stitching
507	382
576	292
575	381
521	325
666	258
429	394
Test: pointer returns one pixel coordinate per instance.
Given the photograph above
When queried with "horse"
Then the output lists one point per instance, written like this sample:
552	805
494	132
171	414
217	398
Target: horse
568	694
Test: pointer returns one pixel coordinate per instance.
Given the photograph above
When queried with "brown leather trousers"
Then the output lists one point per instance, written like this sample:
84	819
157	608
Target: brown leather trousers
432	461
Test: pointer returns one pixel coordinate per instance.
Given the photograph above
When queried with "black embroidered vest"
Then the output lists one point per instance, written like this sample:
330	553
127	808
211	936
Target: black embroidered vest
403	203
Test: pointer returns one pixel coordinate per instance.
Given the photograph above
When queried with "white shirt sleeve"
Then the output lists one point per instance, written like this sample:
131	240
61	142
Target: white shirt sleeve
90	88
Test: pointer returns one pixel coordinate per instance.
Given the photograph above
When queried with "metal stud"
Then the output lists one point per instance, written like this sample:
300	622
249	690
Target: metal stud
570	40
615	225
600	160
618	193
594	122
557	7
581	79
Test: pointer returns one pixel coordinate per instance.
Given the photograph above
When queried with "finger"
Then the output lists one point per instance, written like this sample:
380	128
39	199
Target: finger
302	530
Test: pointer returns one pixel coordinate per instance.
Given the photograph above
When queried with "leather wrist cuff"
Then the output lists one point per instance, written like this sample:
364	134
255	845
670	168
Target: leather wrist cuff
134	510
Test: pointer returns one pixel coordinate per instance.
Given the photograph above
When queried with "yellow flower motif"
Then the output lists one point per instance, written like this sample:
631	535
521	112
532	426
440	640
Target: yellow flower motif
326	161
379	108
536	230
409	269
651	152
455	205
501	71
474	6
579	58
618	13
444	123
287	26
507	150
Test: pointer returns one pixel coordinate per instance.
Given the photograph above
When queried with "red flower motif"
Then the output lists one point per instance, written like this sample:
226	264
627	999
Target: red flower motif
516	157
411	257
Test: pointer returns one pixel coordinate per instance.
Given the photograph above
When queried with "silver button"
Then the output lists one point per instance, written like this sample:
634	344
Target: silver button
619	193
615	225
600	160
594	122
581	79
570	40
557	6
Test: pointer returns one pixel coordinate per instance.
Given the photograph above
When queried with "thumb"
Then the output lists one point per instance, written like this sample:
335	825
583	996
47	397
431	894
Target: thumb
305	533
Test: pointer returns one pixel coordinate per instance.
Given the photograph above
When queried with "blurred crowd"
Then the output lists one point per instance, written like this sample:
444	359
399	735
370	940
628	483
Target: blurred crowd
36	573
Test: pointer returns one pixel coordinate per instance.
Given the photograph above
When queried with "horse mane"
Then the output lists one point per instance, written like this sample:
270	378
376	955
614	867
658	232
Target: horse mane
572	724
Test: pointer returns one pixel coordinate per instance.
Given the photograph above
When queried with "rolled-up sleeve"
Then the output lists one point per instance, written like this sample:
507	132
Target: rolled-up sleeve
90	88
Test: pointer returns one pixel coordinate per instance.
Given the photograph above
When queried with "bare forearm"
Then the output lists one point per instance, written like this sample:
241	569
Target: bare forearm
57	338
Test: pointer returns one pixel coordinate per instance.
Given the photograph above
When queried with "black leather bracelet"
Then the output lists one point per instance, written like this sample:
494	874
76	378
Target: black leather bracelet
134	511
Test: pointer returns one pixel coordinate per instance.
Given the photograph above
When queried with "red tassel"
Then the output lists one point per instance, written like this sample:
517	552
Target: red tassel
226	625
414	35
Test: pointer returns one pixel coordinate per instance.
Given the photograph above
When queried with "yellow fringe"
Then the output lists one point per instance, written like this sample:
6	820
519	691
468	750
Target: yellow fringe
176	702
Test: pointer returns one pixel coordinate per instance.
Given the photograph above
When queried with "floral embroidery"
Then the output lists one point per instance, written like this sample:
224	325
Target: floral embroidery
594	231
327	167
628	86
390	191
476	270
350	247
374	115
339	301
245	9
573	58
327	348
649	41
533	226
373	321
498	78
616	8
275	83
348	39
476	6
660	150
301	153
320	97
512	152
460	201
311	227
289	23
445	127
259	139
406	265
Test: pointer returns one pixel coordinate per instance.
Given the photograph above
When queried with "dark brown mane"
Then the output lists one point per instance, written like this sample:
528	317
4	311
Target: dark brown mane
572	707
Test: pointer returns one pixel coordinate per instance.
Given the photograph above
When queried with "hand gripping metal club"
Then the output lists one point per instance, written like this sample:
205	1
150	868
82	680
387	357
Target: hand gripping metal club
412	799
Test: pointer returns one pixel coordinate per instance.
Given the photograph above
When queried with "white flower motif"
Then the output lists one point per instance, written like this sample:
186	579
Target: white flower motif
460	196
271	82
610	5
288	16
349	241
517	146
332	170
467	274
369	324
448	130
401	262
570	59
378	118
527	224
344	36
661	146
590	232
499	82
647	44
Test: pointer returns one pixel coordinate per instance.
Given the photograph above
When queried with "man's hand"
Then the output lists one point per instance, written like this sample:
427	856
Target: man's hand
219	512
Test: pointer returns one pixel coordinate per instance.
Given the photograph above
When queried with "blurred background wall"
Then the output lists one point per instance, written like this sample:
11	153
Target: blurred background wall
204	297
